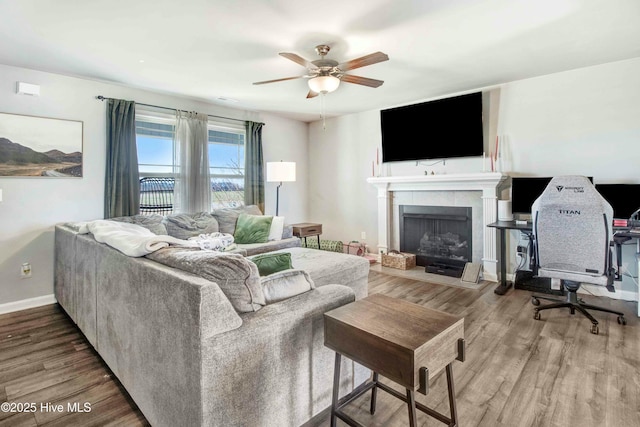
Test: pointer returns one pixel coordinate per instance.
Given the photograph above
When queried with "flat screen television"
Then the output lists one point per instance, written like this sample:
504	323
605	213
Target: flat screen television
525	190
623	198
440	129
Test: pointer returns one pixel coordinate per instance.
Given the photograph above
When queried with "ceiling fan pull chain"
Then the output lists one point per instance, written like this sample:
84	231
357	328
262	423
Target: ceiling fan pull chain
322	112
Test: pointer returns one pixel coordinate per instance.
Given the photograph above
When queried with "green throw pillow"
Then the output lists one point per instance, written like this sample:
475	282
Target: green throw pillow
252	228
272	263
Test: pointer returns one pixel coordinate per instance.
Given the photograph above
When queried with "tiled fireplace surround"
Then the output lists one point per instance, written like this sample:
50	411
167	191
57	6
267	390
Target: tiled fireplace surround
476	190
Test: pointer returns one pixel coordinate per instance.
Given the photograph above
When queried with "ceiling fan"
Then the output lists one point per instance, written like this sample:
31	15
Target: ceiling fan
325	75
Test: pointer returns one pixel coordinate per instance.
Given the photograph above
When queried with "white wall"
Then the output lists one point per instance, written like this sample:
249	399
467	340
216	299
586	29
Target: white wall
340	160
288	141
32	206
584	121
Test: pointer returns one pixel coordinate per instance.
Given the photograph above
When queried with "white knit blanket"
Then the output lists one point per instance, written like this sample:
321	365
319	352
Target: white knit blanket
130	239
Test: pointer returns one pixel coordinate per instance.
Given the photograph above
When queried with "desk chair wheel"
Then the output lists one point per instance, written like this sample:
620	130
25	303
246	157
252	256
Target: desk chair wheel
535	301
536	314
594	329
622	320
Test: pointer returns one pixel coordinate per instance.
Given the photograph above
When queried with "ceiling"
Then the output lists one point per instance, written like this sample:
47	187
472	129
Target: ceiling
213	50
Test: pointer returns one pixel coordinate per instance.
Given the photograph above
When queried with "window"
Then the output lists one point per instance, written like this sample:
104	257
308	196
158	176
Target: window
226	165
154	138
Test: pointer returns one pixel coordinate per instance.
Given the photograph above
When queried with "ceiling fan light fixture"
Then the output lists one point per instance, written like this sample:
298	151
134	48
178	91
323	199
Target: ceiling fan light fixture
324	84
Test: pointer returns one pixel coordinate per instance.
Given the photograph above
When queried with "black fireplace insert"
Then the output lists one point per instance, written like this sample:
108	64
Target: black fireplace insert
439	236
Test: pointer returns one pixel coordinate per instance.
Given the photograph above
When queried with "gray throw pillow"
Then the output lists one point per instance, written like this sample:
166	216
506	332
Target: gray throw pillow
287	232
183	226
286	284
236	276
227	217
150	222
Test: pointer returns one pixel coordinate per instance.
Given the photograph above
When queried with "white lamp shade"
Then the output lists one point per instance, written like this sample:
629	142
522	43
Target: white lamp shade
324	84
281	171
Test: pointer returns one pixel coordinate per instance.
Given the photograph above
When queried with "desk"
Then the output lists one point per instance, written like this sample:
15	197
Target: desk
629	234
503	226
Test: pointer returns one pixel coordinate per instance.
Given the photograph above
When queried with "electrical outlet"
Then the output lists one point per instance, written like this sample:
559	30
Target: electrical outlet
25	270
363	235
555	284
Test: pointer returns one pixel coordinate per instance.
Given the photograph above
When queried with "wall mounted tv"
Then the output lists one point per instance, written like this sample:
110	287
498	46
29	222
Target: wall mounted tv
440	129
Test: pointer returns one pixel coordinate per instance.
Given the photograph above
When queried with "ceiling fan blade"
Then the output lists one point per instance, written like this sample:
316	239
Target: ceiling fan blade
311	94
363	61
361	80
298	59
278	80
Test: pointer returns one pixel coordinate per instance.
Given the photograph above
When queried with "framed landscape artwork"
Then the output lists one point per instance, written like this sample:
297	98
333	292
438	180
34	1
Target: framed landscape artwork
38	146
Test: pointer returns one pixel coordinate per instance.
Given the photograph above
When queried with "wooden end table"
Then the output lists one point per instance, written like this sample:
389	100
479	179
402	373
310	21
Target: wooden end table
307	229
402	341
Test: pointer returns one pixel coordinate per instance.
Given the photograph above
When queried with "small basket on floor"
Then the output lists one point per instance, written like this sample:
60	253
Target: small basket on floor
399	260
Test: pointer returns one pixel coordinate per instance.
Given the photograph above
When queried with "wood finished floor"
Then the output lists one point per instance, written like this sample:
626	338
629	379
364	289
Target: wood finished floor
518	371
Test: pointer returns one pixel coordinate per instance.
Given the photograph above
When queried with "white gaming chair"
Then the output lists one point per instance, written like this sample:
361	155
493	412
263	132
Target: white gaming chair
572	232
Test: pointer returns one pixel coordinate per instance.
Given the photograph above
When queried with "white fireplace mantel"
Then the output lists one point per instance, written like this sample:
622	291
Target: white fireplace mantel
488	183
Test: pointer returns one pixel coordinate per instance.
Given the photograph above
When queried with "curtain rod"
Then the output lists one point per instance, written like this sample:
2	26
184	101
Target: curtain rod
102	98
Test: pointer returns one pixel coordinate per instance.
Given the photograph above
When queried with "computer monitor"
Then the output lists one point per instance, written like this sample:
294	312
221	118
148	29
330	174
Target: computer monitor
623	198
525	190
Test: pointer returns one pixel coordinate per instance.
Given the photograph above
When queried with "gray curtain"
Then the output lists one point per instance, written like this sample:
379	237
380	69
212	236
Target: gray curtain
122	182
253	166
192	190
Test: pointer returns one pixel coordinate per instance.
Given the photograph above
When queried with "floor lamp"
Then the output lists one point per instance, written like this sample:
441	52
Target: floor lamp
280	172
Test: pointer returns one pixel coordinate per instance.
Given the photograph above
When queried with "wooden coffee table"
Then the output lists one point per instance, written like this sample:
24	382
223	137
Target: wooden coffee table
402	341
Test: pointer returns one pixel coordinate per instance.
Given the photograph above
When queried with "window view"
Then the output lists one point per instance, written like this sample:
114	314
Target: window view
154	138
226	165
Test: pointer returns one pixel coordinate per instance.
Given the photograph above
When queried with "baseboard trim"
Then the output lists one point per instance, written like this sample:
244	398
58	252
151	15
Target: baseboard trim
601	291
24	304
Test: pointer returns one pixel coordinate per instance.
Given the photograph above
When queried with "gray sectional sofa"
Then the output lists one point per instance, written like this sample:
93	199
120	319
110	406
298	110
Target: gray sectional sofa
186	356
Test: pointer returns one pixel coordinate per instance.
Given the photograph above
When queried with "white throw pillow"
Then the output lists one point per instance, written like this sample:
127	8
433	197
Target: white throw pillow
277	226
285	284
